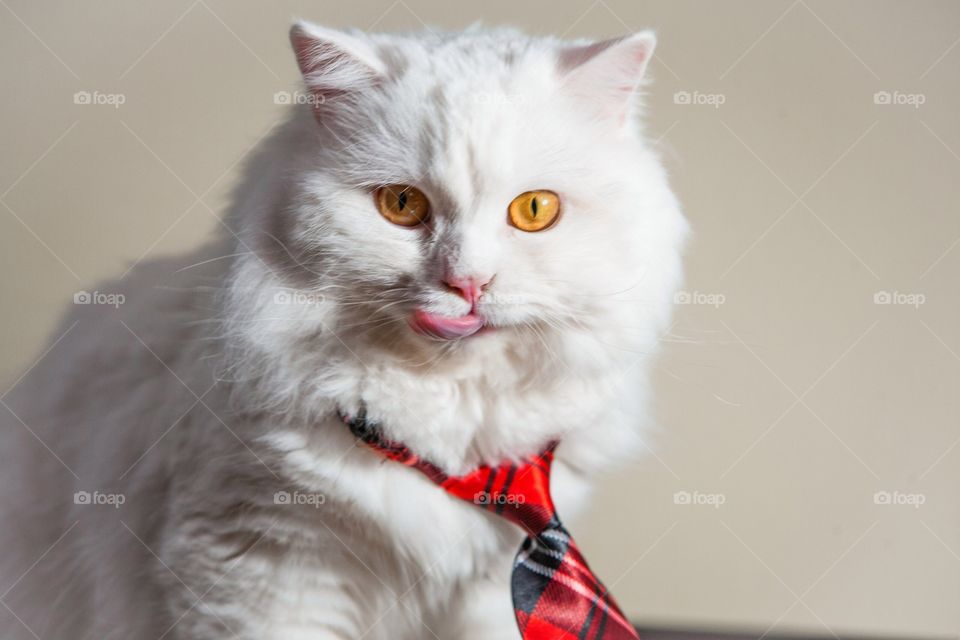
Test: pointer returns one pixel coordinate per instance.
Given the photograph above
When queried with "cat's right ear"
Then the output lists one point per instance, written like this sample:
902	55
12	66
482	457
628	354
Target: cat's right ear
334	64
606	75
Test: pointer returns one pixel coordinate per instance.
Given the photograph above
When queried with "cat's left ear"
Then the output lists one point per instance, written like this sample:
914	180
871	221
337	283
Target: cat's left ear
334	64
607	74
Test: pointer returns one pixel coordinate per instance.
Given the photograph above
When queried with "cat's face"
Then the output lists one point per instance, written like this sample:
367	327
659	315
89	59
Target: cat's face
466	186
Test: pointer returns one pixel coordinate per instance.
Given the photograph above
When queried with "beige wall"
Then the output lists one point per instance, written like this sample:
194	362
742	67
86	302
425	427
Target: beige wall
796	397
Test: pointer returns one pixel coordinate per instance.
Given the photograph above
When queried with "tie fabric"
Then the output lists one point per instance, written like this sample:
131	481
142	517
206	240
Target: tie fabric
555	594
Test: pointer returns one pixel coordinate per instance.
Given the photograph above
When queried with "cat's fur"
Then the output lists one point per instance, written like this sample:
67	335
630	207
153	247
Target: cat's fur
216	384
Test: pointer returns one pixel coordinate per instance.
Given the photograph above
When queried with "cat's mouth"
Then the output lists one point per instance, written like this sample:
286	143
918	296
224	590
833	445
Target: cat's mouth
435	325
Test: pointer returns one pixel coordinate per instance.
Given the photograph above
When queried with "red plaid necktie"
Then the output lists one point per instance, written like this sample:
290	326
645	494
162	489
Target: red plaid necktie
555	594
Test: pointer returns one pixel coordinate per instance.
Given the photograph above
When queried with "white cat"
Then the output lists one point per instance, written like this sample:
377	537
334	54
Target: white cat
467	234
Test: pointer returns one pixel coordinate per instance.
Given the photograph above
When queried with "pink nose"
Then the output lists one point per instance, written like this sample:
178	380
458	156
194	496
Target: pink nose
469	288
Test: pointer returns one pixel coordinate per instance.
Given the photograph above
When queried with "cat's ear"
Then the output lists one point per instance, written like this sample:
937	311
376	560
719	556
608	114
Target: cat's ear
608	73
334	64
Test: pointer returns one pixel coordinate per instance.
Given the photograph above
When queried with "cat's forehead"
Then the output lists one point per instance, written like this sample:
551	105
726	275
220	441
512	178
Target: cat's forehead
452	54
465	110
471	73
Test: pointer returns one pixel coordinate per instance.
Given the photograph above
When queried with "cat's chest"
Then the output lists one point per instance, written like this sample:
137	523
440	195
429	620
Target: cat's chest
398	509
460	423
393	513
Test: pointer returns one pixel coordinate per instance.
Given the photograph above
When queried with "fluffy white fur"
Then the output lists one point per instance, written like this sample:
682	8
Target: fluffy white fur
216	385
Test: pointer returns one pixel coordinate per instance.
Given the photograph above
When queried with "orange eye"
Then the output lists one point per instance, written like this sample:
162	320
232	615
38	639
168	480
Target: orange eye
402	204
534	210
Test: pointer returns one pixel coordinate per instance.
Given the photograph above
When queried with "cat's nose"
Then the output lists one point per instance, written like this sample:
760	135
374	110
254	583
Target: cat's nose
470	288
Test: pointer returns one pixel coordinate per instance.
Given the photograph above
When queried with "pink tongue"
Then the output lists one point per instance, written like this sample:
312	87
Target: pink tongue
445	327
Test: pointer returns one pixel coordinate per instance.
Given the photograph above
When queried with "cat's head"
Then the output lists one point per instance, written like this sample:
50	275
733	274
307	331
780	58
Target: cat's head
450	190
